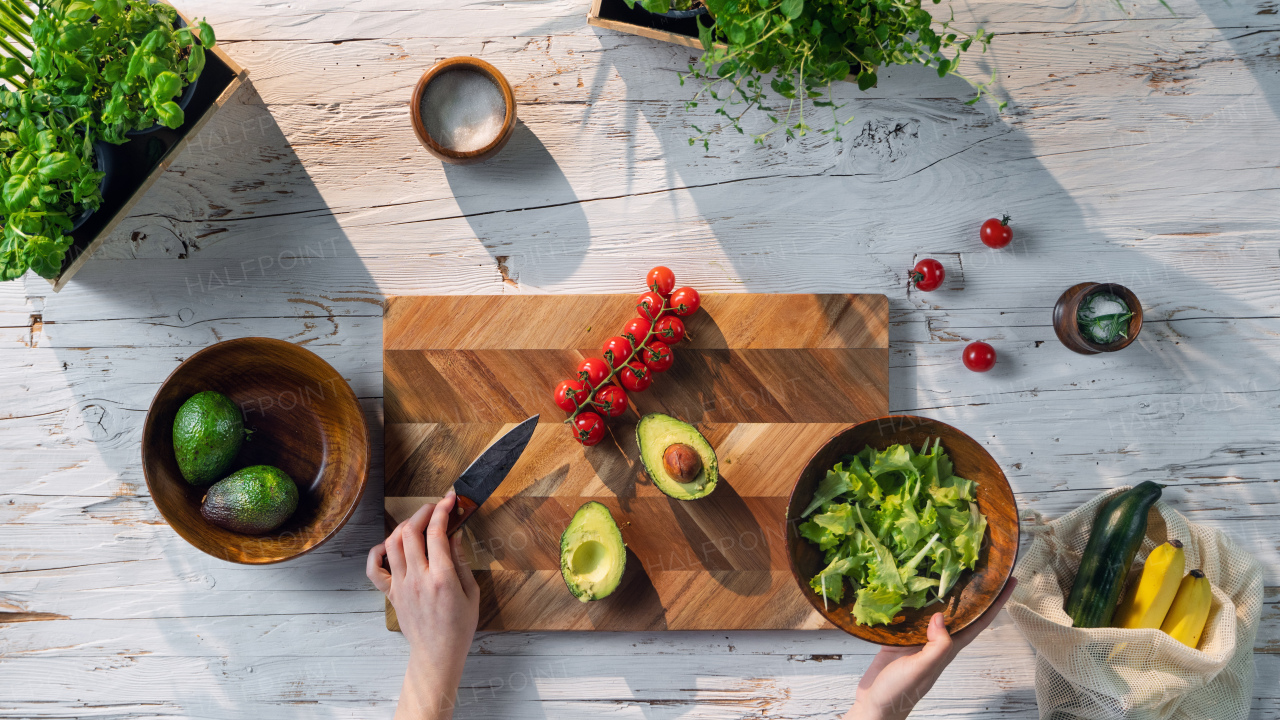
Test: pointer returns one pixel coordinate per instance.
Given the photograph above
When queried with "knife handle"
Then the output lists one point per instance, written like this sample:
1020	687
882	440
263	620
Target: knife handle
463	508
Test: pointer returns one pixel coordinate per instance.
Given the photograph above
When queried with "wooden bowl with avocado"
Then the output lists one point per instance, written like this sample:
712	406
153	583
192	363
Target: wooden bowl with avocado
952	522
300	417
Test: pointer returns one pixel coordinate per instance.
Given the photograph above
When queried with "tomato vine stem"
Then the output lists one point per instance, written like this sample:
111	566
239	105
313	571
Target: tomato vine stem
589	401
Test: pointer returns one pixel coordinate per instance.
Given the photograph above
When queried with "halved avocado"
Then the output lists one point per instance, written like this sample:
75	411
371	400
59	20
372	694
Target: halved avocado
669	446
592	554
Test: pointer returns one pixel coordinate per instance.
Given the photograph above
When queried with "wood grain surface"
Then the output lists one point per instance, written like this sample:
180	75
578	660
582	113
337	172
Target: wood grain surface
1134	150
766	378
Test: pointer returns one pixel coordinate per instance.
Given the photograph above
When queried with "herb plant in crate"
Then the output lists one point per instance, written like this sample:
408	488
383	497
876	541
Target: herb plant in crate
78	73
778	55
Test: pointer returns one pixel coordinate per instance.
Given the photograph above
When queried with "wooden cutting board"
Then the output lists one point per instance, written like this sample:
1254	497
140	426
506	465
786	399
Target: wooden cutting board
766	378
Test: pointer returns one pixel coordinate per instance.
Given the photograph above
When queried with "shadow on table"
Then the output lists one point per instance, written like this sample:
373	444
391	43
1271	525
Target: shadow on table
234	240
523	177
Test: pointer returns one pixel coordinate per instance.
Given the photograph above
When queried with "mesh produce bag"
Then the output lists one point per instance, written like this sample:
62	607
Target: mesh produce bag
1109	673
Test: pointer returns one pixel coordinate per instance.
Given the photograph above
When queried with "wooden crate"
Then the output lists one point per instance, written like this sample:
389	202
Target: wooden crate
142	160
615	15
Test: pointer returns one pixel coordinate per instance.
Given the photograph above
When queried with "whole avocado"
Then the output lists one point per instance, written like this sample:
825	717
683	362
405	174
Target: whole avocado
207	433
255	500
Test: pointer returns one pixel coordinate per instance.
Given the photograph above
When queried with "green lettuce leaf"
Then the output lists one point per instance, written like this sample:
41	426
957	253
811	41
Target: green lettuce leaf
835	484
877	606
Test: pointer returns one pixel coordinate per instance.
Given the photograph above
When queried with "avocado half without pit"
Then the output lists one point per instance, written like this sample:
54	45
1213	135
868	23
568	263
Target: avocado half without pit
676	456
592	554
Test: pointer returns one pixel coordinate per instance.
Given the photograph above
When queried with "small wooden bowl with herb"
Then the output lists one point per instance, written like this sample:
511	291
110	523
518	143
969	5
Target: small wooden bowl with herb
1092	318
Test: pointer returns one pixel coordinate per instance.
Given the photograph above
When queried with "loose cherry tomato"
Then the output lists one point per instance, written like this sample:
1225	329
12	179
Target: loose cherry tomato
661	280
569	393
593	371
636	329
669	329
635	377
928	274
997	233
616	350
588	428
650	305
979	357
657	356
685	301
611	400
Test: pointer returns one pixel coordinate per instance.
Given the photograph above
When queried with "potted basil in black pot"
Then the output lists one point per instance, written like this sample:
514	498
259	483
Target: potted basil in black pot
79	78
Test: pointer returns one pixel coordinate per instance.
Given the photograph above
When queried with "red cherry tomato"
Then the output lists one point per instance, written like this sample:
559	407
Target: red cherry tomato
611	400
657	356
636	329
588	428
635	377
928	274
669	329
593	371
569	393
616	350
979	357
661	280
650	305
997	233
685	301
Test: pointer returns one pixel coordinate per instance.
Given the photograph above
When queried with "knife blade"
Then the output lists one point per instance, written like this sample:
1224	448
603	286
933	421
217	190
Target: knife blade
487	472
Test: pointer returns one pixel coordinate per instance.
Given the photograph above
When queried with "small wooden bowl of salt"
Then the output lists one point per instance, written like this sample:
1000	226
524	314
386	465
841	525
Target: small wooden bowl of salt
463	110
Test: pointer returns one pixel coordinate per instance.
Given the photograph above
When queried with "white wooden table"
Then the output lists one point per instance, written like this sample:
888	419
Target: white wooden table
1139	146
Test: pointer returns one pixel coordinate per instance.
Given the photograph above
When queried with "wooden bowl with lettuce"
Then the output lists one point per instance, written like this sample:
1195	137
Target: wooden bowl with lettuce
895	519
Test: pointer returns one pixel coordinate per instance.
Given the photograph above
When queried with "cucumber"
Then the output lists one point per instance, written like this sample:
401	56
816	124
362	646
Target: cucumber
1117	534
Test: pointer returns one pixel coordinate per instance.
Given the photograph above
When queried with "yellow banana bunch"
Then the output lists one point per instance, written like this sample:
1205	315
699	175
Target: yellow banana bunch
1190	609
1146	605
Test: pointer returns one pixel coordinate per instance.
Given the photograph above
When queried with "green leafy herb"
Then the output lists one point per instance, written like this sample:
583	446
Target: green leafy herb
898	525
663	6
808	44
1103	318
76	72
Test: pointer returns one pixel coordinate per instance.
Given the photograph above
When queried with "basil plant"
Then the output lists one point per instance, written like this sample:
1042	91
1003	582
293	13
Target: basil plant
77	72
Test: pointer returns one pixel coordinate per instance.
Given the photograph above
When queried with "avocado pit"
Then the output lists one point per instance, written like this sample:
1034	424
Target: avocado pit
682	462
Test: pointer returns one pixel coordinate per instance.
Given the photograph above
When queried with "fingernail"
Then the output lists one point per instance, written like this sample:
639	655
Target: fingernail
451	493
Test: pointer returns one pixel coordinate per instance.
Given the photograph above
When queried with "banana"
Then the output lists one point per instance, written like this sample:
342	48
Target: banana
1190	609
1148	601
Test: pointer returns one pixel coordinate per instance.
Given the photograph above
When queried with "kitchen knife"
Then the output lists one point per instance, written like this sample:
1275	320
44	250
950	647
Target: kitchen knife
483	476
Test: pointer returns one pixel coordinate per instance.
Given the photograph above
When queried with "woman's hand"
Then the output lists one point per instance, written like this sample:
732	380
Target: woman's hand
437	603
899	677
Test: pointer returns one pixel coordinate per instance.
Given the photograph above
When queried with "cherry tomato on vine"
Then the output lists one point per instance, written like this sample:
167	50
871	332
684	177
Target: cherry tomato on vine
636	329
588	428
657	356
997	233
611	400
635	377
593	371
979	357
928	274
650	305
661	280
685	301
568	394
616	350
669	329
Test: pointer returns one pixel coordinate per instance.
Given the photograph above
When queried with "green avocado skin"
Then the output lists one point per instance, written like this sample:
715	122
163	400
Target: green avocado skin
207	433
253	501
